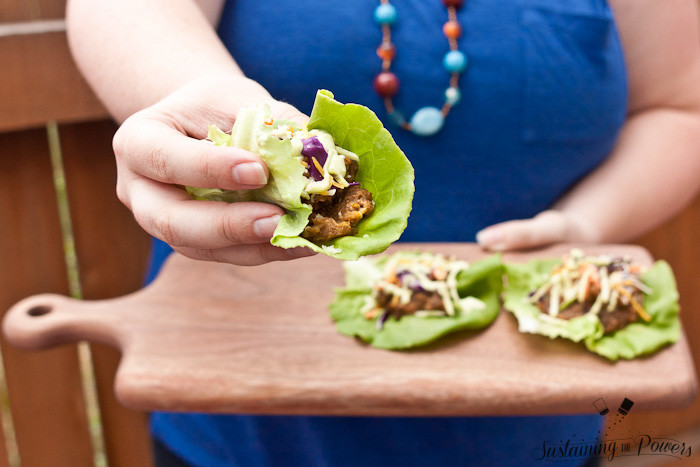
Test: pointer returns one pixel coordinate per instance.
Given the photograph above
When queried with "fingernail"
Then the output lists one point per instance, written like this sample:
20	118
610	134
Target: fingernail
491	239
265	227
249	173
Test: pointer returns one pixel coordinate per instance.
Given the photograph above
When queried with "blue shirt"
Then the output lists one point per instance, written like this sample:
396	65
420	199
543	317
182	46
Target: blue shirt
543	99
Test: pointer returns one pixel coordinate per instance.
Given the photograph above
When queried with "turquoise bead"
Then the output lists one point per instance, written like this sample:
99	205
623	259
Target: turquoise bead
453	95
427	121
454	61
385	14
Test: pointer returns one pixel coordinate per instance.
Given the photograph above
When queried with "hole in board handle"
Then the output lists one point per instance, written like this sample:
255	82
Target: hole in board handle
39	310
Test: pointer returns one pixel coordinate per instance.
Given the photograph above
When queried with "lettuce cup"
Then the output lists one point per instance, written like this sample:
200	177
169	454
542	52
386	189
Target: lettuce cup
410	299
617	308
345	185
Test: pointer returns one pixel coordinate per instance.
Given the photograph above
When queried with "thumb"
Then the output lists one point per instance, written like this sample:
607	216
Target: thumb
289	112
543	229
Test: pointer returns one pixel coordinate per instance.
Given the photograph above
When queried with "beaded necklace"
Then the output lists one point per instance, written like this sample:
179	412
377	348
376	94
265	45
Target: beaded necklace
427	120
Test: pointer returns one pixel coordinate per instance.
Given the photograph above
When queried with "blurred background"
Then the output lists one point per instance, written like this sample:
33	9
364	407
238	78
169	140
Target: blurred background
62	230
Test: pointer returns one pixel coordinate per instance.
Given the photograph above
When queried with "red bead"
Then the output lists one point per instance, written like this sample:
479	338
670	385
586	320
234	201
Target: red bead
386	51
386	84
454	3
452	29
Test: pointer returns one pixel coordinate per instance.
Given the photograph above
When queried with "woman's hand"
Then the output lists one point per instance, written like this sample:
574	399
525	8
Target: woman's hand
161	149
551	226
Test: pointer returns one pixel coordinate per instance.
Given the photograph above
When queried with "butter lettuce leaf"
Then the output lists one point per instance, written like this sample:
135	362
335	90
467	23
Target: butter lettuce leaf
384	170
636	339
640	338
481	280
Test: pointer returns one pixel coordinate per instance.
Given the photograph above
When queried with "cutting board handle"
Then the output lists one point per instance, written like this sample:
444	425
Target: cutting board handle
47	320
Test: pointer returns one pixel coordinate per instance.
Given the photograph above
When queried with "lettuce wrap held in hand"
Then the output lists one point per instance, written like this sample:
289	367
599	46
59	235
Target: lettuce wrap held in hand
345	185
619	309
410	299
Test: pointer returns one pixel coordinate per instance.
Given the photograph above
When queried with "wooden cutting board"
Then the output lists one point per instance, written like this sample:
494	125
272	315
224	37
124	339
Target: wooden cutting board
221	338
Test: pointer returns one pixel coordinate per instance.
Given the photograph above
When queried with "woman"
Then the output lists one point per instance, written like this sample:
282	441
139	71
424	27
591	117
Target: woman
573	125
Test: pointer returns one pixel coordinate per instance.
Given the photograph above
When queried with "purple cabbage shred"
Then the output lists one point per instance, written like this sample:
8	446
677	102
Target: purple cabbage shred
314	148
381	320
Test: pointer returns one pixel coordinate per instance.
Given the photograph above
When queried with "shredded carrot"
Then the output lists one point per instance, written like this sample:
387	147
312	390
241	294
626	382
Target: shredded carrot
372	313
269	121
318	166
635	268
635	305
336	184
303	163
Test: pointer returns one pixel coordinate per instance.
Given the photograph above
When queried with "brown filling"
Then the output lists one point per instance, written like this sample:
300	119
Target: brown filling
420	300
612	321
336	216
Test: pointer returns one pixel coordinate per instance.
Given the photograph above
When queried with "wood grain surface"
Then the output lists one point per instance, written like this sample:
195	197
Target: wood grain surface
112	251
45	394
40	82
220	338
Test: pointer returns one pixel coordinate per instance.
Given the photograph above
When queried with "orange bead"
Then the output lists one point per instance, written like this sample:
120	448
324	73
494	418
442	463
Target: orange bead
452	29
386	51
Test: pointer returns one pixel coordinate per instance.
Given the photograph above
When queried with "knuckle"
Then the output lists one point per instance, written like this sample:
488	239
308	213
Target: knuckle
124	187
123	140
230	229
163	225
134	146
157	160
119	143
122	194
208	170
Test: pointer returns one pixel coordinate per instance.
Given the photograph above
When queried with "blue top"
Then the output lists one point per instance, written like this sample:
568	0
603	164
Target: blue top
543	98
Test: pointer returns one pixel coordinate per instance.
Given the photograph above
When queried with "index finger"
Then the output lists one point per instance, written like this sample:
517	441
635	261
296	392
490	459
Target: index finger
157	150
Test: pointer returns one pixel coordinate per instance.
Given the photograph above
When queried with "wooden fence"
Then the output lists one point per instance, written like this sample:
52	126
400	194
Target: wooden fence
45	419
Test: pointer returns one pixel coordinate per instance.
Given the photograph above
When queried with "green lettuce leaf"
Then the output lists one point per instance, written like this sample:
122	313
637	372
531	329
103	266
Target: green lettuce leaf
481	280
384	170
638	338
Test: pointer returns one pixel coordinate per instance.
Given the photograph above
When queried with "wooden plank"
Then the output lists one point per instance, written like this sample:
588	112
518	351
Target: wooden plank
40	82
51	9
28	10
219	338
18	10
112	251
44	387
